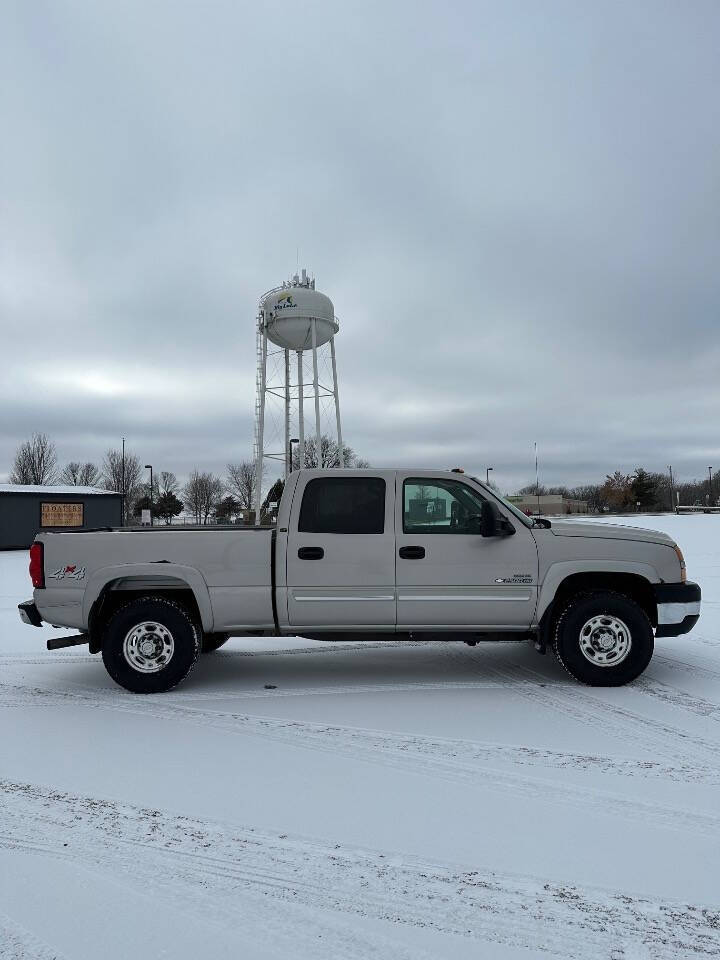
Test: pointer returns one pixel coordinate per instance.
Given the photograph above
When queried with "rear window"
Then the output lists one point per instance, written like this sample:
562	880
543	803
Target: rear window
343	505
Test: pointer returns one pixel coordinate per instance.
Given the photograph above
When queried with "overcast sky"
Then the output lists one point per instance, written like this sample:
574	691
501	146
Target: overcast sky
515	208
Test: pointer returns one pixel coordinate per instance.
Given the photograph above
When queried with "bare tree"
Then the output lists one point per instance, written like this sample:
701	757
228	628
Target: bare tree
168	483
532	489
35	461
80	474
241	481
202	494
122	476
329	455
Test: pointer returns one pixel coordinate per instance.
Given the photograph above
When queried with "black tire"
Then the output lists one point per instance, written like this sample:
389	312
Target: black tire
213	641
572	633
170	619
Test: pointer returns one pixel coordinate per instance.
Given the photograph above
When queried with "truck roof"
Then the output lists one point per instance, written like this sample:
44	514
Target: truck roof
415	471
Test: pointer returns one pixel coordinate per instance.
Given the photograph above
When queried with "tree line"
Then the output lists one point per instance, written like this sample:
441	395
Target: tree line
640	490
206	497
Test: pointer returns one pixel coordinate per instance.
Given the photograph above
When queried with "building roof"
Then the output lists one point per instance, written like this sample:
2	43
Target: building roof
61	490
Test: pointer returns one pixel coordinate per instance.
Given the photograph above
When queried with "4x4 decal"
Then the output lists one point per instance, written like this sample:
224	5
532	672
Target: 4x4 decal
70	572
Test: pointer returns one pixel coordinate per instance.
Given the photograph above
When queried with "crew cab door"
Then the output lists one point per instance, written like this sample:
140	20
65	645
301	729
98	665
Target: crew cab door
448	575
341	551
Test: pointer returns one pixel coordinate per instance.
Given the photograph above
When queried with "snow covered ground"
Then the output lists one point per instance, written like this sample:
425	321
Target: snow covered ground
305	800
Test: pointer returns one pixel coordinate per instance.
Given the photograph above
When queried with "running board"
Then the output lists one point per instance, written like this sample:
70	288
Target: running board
75	641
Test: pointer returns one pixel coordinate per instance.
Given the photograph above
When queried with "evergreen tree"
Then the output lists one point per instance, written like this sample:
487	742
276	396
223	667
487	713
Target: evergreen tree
168	506
643	489
227	510
273	496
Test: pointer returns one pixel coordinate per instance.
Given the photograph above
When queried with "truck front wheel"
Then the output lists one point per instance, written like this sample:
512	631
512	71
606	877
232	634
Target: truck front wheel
603	638
150	645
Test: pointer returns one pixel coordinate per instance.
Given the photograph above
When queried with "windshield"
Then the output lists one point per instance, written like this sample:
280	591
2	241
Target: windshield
506	503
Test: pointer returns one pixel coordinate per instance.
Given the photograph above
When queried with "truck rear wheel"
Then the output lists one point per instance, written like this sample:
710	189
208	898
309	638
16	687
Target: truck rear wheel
603	638
150	645
213	641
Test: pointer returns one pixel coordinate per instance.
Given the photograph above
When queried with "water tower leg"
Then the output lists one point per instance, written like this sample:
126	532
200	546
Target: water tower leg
261	430
287	413
301	415
318	445
341	449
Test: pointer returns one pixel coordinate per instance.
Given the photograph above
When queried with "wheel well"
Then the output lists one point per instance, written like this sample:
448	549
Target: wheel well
119	592
636	587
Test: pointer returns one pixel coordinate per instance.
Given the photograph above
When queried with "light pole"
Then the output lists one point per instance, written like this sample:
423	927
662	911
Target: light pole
122	489
487	475
148	466
290	443
710	476
672	489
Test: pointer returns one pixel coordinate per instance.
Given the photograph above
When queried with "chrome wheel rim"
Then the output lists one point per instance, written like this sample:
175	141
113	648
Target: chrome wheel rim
148	647
605	640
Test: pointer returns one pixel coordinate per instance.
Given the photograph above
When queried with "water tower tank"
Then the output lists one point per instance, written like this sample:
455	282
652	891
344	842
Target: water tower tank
288	314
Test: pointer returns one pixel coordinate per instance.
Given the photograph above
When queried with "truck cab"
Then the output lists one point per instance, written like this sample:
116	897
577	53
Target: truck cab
402	551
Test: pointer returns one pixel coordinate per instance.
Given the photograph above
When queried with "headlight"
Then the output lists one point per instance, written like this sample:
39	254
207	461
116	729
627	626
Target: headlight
681	558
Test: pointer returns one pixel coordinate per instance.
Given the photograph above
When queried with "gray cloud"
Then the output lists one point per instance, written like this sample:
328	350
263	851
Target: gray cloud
515	211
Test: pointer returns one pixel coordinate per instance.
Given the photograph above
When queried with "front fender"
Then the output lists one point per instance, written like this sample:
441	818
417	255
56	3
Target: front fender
557	572
193	579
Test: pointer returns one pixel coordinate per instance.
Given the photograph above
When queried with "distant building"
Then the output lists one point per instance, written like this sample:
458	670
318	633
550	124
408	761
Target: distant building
551	504
25	510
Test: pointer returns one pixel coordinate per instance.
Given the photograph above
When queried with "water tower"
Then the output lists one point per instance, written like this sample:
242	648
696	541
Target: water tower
294	319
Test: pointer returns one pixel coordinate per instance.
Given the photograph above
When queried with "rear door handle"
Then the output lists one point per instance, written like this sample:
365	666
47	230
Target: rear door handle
411	553
311	553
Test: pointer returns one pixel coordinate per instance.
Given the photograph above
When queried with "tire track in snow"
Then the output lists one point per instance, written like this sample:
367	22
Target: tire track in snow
479	765
17	943
188	693
676	698
165	708
203	862
652	736
66	656
699	670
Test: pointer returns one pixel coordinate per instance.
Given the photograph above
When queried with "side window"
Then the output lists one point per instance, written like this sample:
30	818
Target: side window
440	506
343	505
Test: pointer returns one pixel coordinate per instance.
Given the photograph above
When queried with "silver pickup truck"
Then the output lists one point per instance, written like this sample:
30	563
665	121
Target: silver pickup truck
392	554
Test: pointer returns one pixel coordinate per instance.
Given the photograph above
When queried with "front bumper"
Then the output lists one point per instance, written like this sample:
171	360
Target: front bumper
29	613
678	606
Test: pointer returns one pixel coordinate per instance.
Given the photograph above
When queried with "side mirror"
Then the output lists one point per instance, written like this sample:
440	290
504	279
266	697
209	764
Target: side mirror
489	520
493	523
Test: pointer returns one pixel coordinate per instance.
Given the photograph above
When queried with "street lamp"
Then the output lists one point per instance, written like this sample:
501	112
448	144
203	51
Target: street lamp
487	475
672	489
148	466
123	482
710	475
291	442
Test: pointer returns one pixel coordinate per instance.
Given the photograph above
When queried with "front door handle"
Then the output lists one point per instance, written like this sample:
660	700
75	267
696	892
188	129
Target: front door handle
311	553
411	553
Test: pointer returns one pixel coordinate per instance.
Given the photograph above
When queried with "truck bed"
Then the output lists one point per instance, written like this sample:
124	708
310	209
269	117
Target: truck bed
231	565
